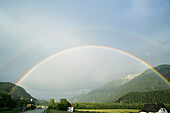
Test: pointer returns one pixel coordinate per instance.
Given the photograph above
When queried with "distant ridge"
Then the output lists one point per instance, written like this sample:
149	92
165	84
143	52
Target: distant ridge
18	93
100	94
112	91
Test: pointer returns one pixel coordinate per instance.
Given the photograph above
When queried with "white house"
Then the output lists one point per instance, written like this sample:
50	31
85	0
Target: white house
162	110
154	108
70	108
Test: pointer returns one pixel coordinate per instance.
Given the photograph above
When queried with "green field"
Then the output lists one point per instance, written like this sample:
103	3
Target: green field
11	111
98	111
109	110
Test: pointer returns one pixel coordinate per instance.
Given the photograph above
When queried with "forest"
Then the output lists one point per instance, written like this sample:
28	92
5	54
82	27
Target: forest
159	96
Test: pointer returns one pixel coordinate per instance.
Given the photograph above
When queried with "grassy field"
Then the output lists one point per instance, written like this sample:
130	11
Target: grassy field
11	111
56	111
109	110
97	111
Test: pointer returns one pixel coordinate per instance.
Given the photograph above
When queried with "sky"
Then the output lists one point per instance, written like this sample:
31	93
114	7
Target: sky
33	30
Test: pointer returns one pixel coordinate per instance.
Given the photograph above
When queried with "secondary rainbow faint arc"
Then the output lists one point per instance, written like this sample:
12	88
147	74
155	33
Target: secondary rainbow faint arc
100	28
12	58
88	46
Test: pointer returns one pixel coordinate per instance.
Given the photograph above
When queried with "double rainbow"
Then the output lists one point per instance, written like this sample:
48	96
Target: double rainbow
2	65
87	46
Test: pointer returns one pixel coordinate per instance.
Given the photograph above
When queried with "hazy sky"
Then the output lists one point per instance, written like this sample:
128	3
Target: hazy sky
32	30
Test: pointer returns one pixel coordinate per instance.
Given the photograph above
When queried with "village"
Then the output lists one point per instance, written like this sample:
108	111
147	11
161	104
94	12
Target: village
64	105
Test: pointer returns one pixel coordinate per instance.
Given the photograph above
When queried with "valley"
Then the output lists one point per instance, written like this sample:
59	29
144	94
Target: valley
131	92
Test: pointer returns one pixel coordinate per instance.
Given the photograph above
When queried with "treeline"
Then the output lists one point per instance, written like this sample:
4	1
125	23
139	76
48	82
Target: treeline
160	96
6	102
41	103
62	105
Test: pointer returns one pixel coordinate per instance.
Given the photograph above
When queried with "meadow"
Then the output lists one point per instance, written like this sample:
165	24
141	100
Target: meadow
97	111
11	111
108	110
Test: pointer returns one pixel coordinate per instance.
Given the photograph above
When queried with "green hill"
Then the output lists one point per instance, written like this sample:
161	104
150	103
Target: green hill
147	81
99	94
18	93
159	96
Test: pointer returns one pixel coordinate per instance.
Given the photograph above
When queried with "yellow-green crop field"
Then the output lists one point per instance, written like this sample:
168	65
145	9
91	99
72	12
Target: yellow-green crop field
109	110
99	111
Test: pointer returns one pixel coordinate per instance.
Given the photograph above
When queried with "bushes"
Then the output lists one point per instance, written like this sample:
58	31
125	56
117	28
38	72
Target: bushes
48	111
7	101
21	103
63	105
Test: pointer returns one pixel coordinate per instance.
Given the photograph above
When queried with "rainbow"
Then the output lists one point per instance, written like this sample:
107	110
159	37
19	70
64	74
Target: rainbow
87	46
12	58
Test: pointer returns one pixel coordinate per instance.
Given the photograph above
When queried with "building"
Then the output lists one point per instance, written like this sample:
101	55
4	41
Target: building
70	108
154	108
30	105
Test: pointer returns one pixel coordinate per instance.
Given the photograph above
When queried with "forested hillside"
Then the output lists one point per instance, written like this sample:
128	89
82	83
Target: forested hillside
100	94
18	93
147	81
159	96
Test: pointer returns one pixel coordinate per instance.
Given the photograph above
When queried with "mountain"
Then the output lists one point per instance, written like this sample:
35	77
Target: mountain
102	93
99	94
129	77
159	96
18	93
147	81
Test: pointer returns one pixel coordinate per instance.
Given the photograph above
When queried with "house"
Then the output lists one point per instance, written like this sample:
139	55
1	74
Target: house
70	108
154	108
30	105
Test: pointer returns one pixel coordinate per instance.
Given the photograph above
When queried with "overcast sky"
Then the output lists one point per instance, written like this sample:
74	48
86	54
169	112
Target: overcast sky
32	30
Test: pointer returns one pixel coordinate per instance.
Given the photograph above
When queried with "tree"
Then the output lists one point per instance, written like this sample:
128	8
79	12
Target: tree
7	101
63	105
51	103
63	100
21	103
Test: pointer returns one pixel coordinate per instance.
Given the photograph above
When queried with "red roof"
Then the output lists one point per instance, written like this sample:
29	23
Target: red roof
70	105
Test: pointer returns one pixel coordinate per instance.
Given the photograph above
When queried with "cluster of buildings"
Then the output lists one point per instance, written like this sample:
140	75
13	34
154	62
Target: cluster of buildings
154	108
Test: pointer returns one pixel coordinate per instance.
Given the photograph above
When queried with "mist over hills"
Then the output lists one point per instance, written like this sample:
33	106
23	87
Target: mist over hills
112	91
100	94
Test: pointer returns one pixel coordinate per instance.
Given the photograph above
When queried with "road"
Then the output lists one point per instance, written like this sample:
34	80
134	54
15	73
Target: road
35	111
